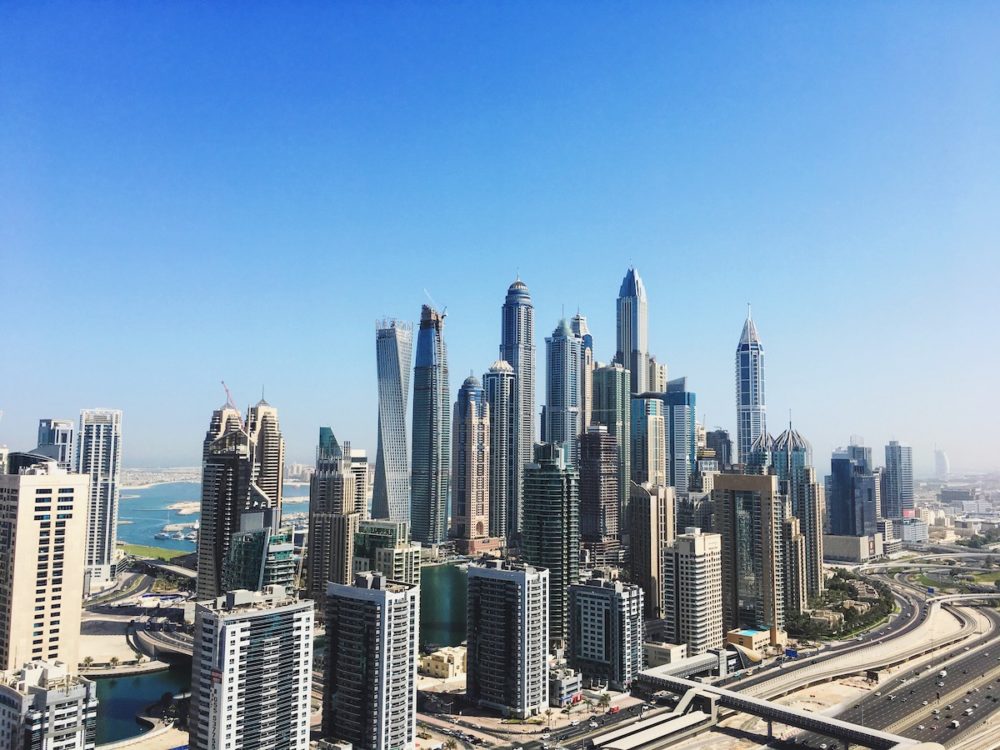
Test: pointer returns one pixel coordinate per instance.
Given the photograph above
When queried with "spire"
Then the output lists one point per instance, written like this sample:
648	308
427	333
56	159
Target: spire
750	335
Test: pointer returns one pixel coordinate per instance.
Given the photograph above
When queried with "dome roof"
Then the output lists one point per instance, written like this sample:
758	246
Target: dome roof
791	440
471	382
518	291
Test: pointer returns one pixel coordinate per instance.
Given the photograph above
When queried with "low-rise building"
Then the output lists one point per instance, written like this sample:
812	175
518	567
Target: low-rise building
827	618
659	653
445	663
755	640
913	531
565	687
854	549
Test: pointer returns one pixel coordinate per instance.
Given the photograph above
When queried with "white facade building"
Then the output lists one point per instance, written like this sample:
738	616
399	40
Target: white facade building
45	707
692	581
99	455
606	631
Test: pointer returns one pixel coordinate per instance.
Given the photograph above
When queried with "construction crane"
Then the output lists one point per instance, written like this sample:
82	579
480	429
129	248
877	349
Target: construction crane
232	404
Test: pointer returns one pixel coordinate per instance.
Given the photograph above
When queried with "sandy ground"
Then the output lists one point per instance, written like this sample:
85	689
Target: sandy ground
166	741
103	636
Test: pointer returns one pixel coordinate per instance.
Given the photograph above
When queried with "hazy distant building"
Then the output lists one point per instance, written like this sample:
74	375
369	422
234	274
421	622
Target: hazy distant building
718	440
251	672
393	352
649	440
749	515
606	631
562	415
791	455
897	493
651	530
370	695
41	560
942	466
431	432
551	534
855	492
613	409
99	455
55	440
44	706
599	497
500	386
751	412
632	331
470	483
692	582
517	348
508	629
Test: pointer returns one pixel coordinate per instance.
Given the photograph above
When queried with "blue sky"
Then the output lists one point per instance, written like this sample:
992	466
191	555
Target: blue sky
191	192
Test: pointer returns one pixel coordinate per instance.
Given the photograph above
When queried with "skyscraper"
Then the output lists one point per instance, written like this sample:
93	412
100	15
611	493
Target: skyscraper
562	415
751	413
55	440
855	493
370	695
606	631
579	327
649	440
599	501
897	497
41	585
718	440
517	348
251	672
260	554
508	628
692	574
792	459
384	546
651	530
470	484
942	466
613	409
657	376
393	352
750	514
431	432
99	455
551	536
680	423
333	518
500	385
242	471
632	331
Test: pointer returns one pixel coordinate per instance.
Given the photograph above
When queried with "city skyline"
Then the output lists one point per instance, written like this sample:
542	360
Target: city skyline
336	177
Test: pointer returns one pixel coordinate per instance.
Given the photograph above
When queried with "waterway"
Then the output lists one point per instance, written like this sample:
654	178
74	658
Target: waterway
121	698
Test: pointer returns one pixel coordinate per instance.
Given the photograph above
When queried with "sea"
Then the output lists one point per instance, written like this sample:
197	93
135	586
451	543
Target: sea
142	513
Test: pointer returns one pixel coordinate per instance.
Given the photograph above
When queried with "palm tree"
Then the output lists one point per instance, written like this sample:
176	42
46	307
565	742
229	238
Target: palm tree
113	661
88	662
450	744
605	700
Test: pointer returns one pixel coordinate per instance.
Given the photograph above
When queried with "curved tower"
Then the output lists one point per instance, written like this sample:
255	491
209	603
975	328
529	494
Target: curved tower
431	432
751	414
393	350
517	348
633	331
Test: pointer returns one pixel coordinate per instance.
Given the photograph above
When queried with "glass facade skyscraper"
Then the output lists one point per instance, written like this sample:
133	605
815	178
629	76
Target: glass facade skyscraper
680	423
897	493
431	476
791	455
633	331
751	413
500	385
613	409
562	414
393	350
517	348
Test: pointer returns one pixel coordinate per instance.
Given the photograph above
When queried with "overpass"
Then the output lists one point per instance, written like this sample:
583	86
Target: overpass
852	734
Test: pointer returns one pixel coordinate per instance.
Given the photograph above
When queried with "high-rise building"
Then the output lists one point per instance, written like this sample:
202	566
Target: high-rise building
855	493
897	496
393	352
261	554
749	514
718	441
651	530
693	509
43	522
562	415
431	432
633	331
383	546
359	467
681	444
517	348
599	501
649	440
251	671
500	386
751	412
793	545
613	409
942	466
657	376
551	534
99	455
55	440
508	628
606	633
791	455
692	582
578	324
370	694
470	478
44	706
333	517
242	471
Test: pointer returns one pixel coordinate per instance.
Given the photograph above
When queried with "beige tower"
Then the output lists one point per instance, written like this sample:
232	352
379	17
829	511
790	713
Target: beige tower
651	531
470	467
693	586
333	519
43	533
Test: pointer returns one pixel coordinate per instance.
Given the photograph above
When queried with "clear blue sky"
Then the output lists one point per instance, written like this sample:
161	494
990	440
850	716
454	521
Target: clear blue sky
193	191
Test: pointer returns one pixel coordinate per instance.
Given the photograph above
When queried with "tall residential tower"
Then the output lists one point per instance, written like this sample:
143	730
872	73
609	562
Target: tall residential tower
99	455
393	351
751	414
633	331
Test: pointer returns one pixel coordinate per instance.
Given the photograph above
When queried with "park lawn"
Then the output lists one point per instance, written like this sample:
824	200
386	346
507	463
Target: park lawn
988	577
155	553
